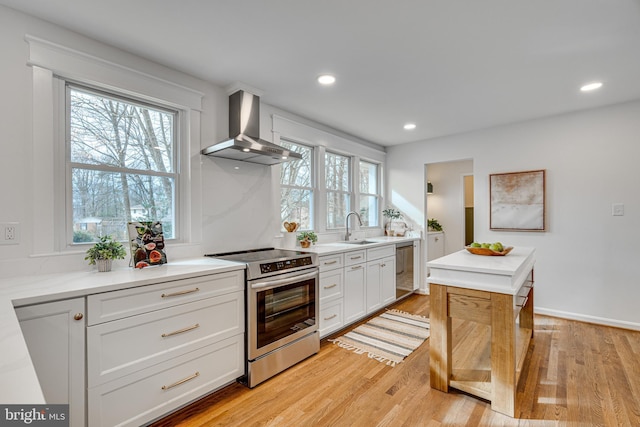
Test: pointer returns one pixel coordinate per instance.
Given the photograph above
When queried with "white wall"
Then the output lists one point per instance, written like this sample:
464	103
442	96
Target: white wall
446	204
587	261
232	205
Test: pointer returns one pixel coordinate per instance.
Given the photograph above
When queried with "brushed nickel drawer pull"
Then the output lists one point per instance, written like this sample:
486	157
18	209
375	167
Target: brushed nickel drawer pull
331	286
175	294
330	262
182	381
78	316
356	267
179	331
356	257
330	317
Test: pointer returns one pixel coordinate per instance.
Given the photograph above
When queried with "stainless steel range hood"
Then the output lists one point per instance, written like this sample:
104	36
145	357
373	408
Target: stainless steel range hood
244	133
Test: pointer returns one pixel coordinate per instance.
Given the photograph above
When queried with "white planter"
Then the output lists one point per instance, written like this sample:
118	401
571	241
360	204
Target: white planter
104	265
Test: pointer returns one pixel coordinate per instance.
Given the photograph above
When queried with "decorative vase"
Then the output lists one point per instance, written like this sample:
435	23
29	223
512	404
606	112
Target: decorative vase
305	243
289	240
104	265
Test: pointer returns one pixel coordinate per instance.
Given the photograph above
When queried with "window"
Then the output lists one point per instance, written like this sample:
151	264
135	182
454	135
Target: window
296	179
337	174
121	164
369	194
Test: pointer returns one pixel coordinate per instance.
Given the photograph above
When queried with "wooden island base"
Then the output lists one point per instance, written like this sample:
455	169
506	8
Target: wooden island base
486	362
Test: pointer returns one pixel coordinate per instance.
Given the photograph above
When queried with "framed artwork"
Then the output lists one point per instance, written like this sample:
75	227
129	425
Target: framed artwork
517	201
146	242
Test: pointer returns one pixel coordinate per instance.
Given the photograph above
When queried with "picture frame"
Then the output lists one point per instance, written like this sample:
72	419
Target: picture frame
146	243
517	201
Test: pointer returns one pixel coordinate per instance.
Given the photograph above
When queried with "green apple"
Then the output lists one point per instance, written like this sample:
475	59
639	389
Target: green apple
486	245
475	245
496	247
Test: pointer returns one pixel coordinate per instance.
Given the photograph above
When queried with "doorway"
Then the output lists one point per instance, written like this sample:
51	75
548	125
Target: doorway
468	209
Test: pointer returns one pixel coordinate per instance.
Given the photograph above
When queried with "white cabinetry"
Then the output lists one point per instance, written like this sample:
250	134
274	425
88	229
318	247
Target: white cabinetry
435	245
54	333
354	292
380	277
331	293
152	349
355	283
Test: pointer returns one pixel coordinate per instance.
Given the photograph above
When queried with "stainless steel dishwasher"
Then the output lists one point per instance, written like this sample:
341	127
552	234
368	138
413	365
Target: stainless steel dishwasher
404	268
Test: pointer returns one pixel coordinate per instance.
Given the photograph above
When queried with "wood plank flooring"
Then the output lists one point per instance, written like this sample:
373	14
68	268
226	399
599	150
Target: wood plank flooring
575	374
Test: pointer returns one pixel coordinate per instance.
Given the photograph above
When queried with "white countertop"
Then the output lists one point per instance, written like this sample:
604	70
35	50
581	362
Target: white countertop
501	274
338	247
18	380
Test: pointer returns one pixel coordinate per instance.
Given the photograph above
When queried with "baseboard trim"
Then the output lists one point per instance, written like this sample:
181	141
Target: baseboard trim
588	319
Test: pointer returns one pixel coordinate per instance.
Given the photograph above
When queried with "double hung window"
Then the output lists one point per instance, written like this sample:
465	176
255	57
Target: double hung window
369	203
296	179
338	188
121	164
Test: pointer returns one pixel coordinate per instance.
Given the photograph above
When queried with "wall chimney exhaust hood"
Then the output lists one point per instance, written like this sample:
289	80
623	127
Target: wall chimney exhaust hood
244	141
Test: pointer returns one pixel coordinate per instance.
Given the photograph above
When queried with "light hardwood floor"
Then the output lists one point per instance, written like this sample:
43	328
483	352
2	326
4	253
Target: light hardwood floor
576	374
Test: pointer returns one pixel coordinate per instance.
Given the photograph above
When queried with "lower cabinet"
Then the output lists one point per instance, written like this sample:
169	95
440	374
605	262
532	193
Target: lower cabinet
55	336
152	349
354	293
381	284
354	284
159	389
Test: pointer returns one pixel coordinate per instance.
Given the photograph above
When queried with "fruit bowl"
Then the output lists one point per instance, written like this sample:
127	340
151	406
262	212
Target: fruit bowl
488	252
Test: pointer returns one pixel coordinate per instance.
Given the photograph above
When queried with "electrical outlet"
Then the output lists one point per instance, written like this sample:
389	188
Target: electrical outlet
9	233
617	209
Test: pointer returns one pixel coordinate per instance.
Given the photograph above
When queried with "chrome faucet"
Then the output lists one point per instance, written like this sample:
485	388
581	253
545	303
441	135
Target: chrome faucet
348	233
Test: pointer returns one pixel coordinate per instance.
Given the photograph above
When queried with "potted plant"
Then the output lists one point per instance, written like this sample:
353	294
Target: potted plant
104	251
306	238
392	214
433	225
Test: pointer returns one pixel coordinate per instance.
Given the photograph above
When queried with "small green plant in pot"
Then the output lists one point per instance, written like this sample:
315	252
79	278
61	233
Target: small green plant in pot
392	214
306	238
433	225
104	251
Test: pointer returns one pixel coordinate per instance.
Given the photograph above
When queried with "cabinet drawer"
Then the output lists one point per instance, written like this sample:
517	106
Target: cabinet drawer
145	395
355	257
143	299
121	347
331	284
381	252
330	317
331	262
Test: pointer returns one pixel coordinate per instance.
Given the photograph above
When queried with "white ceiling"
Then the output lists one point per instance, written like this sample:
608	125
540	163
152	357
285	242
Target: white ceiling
449	66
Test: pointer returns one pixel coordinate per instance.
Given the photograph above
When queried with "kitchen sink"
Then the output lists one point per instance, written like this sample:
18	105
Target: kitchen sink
358	242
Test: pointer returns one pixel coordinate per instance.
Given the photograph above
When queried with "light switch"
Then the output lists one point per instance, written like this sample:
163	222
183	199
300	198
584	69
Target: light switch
617	209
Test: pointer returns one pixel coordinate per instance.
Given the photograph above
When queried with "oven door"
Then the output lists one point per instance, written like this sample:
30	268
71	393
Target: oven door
281	310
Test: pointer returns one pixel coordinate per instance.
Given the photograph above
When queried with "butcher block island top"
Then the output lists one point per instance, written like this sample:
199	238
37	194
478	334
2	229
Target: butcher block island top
481	324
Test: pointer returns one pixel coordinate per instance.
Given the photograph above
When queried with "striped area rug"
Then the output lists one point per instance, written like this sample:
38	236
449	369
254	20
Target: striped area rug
388	338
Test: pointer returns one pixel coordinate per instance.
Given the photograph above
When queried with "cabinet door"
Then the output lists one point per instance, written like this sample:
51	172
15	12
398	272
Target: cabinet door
374	285
354	293
388	279
435	245
57	348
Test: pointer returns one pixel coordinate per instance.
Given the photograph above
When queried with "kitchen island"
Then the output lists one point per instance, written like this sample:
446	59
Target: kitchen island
497	293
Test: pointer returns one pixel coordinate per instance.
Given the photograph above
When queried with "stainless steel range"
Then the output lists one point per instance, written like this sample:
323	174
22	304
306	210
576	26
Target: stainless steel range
282	309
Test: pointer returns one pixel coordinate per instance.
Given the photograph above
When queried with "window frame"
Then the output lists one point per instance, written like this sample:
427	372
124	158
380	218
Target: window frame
67	166
350	193
312	182
377	195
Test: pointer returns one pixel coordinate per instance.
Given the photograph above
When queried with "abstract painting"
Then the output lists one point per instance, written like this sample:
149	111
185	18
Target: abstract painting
517	201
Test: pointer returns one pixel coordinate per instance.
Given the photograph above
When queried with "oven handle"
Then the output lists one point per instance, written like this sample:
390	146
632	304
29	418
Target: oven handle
281	282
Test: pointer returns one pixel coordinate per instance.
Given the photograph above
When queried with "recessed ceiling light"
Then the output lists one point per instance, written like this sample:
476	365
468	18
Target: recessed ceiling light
410	126
326	79
246	150
591	86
